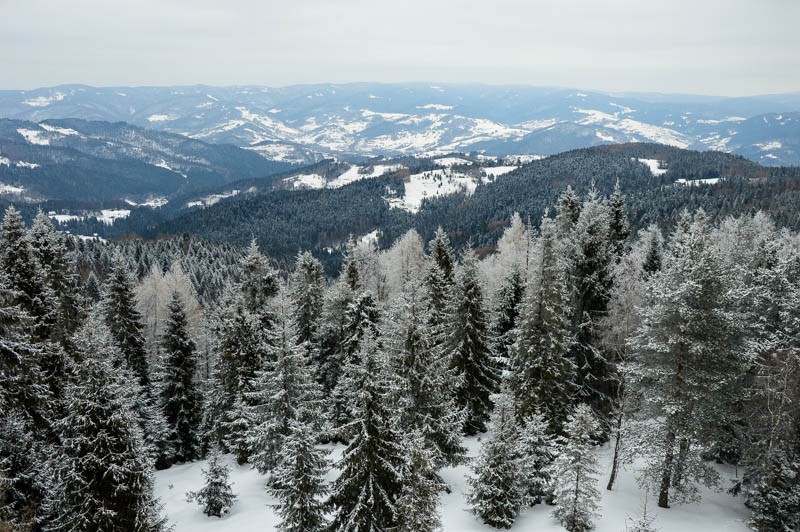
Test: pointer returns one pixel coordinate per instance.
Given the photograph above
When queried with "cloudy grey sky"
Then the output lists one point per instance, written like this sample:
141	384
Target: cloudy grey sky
726	47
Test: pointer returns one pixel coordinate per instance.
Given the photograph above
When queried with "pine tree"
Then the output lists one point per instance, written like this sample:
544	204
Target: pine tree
423	376
539	450
180	396
104	477
307	296
575	469
687	348
417	506
469	351
283	392
298	480
509	302
498	489
364	497
618	226
259	282
216	497
541	372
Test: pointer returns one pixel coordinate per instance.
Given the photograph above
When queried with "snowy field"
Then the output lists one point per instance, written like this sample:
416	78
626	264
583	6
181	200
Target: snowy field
252	511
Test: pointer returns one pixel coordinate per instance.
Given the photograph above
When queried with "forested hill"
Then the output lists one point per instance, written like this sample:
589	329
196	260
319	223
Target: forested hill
287	221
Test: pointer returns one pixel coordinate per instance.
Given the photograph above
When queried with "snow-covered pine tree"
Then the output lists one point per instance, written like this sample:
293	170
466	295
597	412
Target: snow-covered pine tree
307	289
423	376
364	497
499	488
468	348
216	496
180	396
619	230
259	282
61	275
442	255
282	392
541	372
336	301
686	352
538	449
506	313
417	506
298	480
574	473
104	477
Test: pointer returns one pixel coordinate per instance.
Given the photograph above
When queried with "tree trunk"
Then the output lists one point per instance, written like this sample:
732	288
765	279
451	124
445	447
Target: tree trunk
666	472
615	460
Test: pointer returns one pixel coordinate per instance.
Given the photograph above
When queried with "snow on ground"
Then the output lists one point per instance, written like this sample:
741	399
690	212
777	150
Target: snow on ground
23	164
437	106
33	136
160	118
163	164
253	511
522	159
654	166
692	182
11	189
314	181
44	101
601	136
64	218
153	203
109	216
451	161
430	184
771	145
356	173
495	171
213	199
60	130
370	238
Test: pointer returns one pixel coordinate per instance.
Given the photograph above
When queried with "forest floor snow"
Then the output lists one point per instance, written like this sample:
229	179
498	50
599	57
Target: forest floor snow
253	510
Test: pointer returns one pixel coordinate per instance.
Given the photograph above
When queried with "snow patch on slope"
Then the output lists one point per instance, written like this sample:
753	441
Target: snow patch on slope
33	136
654	165
44	101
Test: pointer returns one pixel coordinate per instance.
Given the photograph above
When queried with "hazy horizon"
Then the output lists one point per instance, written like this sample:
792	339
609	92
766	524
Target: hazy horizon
715	48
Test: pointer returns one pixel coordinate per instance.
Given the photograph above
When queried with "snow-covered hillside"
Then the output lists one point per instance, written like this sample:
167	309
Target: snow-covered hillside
252	511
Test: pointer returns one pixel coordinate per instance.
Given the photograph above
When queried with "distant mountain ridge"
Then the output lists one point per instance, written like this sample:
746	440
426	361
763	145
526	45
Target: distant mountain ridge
306	123
92	160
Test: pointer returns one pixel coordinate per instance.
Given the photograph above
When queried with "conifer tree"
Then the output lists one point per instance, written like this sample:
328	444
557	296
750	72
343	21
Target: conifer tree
509	302
498	490
469	350
417	506
688	347
539	450
423	376
575	468
259	282
216	496
298	480
180	396
283	392
541	372
104	476
364	497
307	283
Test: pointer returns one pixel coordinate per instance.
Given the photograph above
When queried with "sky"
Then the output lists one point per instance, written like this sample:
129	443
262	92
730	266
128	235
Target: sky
717	47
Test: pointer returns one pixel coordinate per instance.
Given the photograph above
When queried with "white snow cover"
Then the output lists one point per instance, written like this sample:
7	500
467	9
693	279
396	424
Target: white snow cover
23	164
430	184
64	218
450	161
307	181
213	199
109	216
721	120
153	203
654	166
356	173
437	106
60	130
771	145
601	136
253	510
33	136
691	182
160	118
5	161
11	189
44	101
650	132
495	171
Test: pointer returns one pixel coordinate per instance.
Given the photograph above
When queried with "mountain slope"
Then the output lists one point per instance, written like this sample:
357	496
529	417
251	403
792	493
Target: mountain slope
91	160
305	123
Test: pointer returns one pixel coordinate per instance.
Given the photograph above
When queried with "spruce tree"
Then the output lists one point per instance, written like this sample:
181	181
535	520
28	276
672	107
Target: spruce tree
307	282
180	395
298	480
417	506
364	497
105	479
539	450
498	491
575	471
541	373
469	350
216	496
687	348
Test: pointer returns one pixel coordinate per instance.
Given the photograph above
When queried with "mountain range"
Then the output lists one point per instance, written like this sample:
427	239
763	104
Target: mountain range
305	123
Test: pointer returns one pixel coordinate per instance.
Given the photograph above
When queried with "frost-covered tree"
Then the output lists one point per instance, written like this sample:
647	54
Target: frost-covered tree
284	391
216	496
469	350
298	480
180	395
541	372
259	282
104	477
364	497
307	289
417	506
574	473
683	356
538	449
498	489
423	375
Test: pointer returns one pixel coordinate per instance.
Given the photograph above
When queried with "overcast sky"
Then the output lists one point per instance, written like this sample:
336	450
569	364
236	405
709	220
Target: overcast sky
725	47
